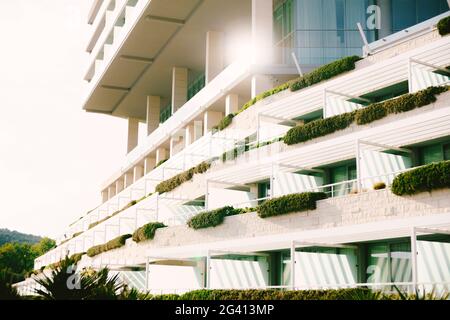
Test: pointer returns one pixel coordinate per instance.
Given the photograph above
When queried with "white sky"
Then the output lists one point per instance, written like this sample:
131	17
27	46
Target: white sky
53	155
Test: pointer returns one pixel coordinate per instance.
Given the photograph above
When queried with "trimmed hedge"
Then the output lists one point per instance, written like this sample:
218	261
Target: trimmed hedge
110	245
426	178
401	104
290	203
319	128
147	232
271	294
325	72
175	181
373	112
225	122
76	257
212	218
444	26
264	95
160	163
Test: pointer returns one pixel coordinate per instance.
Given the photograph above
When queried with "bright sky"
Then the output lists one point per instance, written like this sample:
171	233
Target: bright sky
53	155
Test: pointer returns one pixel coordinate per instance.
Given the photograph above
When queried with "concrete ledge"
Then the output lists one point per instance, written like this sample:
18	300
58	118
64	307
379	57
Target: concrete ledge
350	210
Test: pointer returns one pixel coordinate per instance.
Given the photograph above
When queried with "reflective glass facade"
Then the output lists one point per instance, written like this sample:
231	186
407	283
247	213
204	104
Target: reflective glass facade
321	31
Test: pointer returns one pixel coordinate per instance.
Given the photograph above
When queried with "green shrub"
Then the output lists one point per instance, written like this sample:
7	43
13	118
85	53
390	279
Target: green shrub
271	294
212	218
160	163
373	112
403	103
110	245
175	181
426	178
147	232
325	72
225	122
264	95
379	186
444	26
76	257
319	128
290	203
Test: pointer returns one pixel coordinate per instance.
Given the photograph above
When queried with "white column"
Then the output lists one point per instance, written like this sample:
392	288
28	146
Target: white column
198	129
149	164
105	195
153	110
262	43
179	87
111	191
214	55
138	173
231	103
211	118
260	84
386	18
133	133
119	185
189	135
176	143
262	31
161	154
128	179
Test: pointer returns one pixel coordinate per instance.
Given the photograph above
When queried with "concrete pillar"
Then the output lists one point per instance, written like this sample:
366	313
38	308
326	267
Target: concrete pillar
149	164
138	172
231	103
153	110
129	178
105	195
262	31
211	119
179	87
133	134
119	185
260	84
214	55
176	143
386	18
111	191
189	135
161	154
198	129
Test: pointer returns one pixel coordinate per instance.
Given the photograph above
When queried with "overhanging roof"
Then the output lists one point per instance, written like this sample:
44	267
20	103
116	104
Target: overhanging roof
167	34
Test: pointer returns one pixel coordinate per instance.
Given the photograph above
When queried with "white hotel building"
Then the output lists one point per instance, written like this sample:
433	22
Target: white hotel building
175	68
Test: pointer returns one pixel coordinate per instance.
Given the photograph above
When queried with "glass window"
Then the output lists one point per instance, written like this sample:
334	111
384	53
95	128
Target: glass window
263	190
406	13
447	151
401	262
432	153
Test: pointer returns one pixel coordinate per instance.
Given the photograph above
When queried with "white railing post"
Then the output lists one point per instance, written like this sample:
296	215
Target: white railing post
414	258
147	261
208	270
293	265
410	76
358	166
207	196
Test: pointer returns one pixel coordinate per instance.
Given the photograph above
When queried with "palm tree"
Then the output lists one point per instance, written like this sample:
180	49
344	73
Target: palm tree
7	291
64	284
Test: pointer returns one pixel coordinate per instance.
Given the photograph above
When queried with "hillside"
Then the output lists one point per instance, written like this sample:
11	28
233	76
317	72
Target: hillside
15	236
